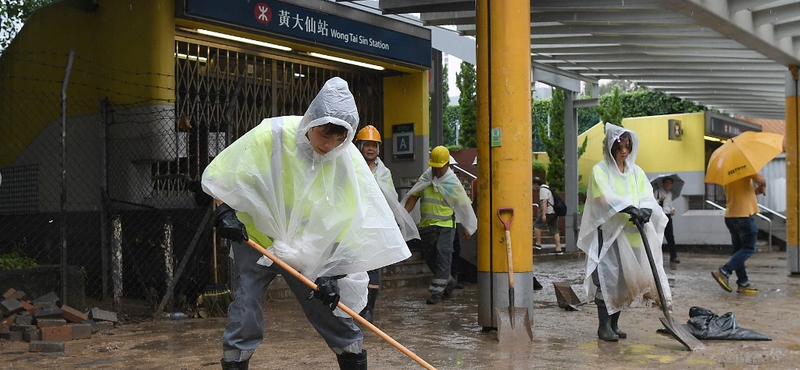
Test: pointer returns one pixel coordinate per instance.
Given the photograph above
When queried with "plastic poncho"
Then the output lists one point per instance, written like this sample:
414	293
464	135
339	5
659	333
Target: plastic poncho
384	177
622	265
453	193
323	215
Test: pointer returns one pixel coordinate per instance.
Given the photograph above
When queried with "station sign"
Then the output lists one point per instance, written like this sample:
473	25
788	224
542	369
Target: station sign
276	17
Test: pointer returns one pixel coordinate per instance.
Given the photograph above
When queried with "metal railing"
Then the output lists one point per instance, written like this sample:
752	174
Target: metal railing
772	212
765	218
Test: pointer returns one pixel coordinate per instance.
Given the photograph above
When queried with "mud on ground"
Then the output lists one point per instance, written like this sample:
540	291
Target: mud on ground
448	337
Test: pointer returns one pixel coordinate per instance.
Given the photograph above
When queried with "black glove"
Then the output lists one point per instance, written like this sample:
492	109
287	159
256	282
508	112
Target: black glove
638	215
228	225
646	212
327	290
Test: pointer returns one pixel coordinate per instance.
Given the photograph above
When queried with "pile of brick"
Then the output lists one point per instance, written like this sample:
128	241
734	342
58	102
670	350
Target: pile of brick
45	323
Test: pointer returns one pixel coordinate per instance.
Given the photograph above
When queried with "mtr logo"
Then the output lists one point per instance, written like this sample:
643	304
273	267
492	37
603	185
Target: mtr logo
263	13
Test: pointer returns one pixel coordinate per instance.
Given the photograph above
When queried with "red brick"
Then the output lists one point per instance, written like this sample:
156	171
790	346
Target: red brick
8	293
57	333
7	322
73	315
27	306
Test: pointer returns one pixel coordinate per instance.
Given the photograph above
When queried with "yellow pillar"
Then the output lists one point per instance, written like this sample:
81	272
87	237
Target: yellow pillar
504	153
792	169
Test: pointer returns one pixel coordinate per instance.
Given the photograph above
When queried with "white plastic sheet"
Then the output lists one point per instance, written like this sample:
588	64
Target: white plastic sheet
323	215
407	225
454	194
622	264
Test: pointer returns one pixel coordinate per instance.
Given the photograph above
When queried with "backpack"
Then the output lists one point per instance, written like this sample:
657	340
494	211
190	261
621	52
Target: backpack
559	207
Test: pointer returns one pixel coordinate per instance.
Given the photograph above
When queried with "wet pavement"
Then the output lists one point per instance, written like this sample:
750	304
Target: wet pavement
448	337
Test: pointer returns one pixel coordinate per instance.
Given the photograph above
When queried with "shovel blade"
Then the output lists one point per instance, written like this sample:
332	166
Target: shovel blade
513	325
566	297
680	333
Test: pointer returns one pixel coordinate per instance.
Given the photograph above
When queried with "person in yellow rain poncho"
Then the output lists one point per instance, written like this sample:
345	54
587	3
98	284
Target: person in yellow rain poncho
617	268
444	202
298	186
368	141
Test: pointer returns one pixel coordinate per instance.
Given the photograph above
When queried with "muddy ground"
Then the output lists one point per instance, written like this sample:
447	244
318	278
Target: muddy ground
448	337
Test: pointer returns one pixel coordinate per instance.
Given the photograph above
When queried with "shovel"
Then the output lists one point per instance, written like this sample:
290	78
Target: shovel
672	326
341	305
566	297
515	324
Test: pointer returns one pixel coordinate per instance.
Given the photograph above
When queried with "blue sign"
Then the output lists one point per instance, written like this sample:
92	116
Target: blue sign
404	143
291	20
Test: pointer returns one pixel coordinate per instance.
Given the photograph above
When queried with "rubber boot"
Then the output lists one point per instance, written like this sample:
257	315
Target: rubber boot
353	361
615	326
233	365
604	330
368	312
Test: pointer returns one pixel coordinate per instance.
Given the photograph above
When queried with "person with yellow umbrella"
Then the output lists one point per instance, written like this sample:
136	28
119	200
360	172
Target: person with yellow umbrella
735	166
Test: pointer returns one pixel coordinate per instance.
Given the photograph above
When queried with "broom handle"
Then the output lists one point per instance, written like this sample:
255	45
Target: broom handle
341	305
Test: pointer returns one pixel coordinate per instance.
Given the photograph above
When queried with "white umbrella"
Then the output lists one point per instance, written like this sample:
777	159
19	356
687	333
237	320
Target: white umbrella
677	183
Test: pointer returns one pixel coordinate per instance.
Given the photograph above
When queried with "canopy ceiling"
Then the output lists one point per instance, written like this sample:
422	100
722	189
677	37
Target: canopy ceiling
730	55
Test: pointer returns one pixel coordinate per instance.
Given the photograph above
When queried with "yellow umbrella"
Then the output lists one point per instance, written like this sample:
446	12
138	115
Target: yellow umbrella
743	156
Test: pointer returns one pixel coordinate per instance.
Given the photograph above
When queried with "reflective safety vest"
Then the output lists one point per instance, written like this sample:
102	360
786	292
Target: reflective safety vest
434	211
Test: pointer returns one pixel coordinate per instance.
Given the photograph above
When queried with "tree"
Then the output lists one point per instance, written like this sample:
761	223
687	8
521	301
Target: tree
552	136
541	111
609	87
452	121
14	14
468	105
645	102
610	109
447	128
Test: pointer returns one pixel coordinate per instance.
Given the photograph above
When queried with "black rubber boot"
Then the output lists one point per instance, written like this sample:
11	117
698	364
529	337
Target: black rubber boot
368	313
353	361
233	365
604	330
615	326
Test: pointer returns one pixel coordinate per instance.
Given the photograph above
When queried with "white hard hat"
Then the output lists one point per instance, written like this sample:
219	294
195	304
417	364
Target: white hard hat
453	160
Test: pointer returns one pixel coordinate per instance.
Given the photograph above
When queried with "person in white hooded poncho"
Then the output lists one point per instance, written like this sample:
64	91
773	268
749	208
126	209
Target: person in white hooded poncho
368	141
301	189
617	267
444	203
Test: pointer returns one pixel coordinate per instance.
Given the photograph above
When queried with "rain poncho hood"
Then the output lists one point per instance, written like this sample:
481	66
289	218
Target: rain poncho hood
323	215
454	194
384	177
623	268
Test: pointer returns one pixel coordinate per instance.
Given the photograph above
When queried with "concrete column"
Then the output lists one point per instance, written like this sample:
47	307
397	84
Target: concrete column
570	172
504	153
792	170
437	119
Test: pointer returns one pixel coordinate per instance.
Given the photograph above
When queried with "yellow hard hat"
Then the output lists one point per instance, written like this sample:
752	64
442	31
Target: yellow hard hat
440	156
368	133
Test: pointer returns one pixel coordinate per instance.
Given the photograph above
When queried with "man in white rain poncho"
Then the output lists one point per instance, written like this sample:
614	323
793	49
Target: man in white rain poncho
443	204
300	188
368	141
617	268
